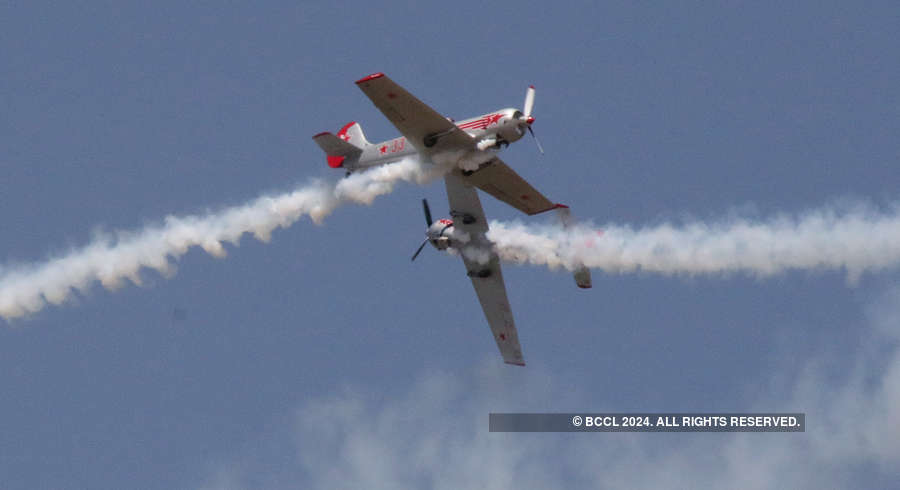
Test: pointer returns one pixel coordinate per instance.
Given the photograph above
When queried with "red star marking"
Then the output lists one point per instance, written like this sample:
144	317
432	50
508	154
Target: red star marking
493	119
502	336
525	197
392	95
383	149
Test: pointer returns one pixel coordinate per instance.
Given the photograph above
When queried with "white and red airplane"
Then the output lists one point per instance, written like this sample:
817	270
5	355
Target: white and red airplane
471	145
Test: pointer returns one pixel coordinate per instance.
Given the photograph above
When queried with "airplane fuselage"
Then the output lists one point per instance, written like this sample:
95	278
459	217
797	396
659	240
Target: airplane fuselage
492	131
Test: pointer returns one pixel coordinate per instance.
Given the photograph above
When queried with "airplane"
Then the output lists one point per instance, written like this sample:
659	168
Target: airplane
471	146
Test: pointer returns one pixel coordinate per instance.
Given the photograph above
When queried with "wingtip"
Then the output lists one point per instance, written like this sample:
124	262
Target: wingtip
555	206
515	363
370	77
323	133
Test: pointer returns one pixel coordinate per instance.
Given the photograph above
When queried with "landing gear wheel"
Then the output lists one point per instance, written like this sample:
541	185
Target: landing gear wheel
429	140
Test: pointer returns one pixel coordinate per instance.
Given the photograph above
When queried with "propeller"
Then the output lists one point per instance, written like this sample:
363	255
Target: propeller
529	101
419	250
527	117
536	140
428	222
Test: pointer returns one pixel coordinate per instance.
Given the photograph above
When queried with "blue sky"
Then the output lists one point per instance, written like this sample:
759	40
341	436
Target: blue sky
325	359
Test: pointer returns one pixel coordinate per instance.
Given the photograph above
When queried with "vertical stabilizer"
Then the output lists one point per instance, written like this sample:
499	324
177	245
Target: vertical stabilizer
352	133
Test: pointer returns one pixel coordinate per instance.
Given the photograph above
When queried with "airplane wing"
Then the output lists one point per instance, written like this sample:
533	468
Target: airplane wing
423	127
502	182
484	267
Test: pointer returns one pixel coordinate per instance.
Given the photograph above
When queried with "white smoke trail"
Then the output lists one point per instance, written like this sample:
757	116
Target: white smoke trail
112	260
856	239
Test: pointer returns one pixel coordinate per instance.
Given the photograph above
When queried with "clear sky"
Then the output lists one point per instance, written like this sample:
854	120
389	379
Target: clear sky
325	359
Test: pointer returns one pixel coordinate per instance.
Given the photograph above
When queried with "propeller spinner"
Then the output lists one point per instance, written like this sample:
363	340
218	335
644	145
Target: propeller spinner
434	232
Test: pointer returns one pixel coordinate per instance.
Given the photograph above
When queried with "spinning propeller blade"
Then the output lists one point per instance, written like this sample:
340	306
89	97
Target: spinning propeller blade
527	119
428	220
419	250
536	140
529	101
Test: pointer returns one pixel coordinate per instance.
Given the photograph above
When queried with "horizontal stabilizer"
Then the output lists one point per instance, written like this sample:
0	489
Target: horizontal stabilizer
337	149
583	277
582	274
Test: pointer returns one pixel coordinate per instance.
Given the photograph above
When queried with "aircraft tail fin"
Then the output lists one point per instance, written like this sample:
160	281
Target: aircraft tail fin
352	133
337	150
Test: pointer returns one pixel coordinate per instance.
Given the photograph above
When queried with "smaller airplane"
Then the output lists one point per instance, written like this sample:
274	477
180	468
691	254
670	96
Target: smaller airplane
471	146
467	234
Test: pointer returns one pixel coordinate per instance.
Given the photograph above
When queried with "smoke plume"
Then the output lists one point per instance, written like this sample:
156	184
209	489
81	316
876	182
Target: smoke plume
856	239
113	259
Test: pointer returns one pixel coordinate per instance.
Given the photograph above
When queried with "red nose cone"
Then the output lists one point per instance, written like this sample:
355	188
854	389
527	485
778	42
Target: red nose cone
530	120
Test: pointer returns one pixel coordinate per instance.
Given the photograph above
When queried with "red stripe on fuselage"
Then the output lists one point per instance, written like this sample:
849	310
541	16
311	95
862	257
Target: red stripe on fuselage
475	121
481	123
